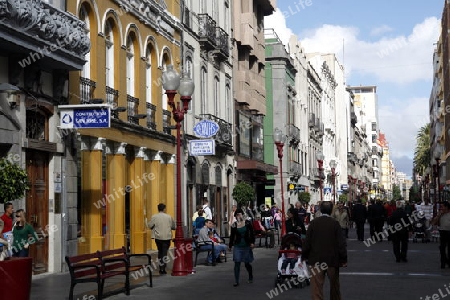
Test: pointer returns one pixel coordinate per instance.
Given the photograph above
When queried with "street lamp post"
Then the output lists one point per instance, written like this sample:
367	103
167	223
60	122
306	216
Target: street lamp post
185	86
333	165
438	185
279	139
320	157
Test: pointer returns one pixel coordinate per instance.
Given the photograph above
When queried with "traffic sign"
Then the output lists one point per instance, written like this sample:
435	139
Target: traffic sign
206	129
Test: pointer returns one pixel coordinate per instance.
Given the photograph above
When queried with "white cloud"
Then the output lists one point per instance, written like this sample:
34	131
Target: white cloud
401	126
401	59
380	30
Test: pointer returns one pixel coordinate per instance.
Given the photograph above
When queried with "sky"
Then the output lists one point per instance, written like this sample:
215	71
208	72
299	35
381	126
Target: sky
386	43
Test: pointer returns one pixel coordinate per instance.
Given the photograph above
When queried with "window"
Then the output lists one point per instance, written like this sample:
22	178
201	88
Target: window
109	40
148	75
374	126
130	66
216	97
86	71
203	93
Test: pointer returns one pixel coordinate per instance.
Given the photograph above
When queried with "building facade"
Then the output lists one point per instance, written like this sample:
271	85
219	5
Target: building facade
41	47
250	92
207	59
124	171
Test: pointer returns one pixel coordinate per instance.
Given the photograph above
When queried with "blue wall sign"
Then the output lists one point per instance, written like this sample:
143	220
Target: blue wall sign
206	129
98	117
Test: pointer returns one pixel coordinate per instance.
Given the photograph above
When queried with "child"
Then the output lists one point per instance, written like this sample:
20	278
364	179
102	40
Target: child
213	238
290	258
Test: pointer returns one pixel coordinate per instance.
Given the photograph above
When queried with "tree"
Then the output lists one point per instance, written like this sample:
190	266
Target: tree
422	152
13	181
415	194
343	198
304	197
243	193
396	193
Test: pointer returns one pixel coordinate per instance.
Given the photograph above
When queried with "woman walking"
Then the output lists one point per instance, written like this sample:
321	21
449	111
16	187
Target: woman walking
243	239
22	231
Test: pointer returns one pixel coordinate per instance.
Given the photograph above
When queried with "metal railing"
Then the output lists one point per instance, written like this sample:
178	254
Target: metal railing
87	87
132	109
151	116
112	98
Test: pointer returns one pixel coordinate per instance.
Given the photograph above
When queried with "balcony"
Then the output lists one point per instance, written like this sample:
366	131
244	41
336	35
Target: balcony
87	88
167	121
224	137
223	49
353	119
112	97
207	31
312	120
132	109
151	116
187	18
39	31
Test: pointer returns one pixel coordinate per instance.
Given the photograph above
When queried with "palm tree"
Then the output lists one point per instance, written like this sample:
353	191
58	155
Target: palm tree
422	152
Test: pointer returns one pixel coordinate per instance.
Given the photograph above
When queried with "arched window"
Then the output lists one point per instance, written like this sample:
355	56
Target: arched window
203	91
86	71
188	68
216	96
148	75
130	66
228	103
109	40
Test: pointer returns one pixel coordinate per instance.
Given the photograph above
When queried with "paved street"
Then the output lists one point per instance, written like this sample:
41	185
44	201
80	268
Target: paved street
372	274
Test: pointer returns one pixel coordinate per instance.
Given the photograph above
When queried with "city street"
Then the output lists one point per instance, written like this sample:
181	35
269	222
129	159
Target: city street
372	274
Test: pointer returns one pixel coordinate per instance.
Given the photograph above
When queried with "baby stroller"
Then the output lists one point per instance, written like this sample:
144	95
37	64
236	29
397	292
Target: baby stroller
290	265
419	230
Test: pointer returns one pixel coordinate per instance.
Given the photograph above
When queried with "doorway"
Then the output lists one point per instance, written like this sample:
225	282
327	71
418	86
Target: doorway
37	207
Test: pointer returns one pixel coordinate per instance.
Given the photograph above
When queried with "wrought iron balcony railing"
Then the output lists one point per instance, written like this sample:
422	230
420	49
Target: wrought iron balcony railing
87	87
151	116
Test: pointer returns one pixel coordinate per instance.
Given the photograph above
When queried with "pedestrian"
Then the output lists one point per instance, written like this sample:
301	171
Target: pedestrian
340	214
359	215
325	250
23	235
162	225
400	227
207	209
243	239
443	221
7	217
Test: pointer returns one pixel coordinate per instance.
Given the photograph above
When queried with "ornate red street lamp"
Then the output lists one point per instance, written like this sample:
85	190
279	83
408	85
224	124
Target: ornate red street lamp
438	186
333	165
185	86
279	138
320	157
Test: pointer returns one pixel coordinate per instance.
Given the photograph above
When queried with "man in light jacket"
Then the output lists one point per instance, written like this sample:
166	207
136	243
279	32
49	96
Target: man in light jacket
162	225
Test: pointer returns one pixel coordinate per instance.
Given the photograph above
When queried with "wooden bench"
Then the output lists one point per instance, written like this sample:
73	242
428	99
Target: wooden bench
97	267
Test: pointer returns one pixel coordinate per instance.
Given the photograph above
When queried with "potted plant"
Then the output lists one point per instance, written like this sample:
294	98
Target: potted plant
243	193
13	181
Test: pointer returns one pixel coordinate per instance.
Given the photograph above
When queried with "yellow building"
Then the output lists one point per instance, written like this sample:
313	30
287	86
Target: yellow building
127	169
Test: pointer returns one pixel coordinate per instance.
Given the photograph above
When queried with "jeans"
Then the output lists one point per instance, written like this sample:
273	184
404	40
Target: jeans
217	249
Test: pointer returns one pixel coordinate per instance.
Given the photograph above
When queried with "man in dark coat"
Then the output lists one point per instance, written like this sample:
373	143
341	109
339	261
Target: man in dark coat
359	216
399	226
325	250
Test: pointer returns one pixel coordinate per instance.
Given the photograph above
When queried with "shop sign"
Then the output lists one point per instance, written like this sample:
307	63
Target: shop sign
205	129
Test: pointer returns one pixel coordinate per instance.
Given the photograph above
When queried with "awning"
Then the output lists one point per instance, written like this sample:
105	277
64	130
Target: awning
252	165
